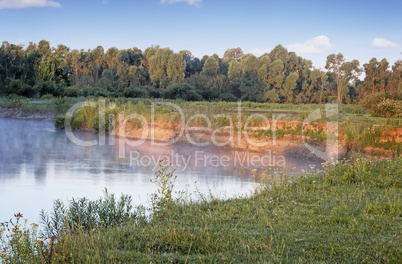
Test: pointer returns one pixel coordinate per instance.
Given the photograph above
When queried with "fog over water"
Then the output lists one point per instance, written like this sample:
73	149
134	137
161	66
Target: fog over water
39	164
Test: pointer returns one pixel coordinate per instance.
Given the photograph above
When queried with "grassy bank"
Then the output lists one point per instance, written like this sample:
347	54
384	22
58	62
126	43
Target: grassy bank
351	215
358	128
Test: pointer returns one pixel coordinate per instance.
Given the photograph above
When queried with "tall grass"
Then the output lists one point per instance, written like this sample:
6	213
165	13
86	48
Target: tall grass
351	215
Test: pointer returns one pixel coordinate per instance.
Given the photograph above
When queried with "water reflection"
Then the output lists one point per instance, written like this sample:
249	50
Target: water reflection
39	164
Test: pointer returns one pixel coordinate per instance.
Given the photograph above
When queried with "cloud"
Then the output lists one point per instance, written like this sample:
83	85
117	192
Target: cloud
4	4
316	45
380	43
195	3
259	52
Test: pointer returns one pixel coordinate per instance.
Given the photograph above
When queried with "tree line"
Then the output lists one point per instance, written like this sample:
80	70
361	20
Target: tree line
276	77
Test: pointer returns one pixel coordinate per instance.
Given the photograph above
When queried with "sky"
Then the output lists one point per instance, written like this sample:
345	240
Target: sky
312	28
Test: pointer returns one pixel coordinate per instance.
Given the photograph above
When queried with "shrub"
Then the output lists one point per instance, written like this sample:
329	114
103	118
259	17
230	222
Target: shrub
47	97
228	97
98	127
152	91
59	122
105	212
62	104
78	121
71	91
182	91
135	92
389	108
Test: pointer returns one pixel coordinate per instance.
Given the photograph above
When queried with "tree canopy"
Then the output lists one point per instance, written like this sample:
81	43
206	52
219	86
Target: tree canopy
277	76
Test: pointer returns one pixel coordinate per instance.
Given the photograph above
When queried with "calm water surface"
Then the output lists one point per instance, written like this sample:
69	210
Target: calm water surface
39	164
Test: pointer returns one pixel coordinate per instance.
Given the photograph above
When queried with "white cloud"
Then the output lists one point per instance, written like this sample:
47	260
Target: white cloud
258	52
195	3
316	45
380	43
27	3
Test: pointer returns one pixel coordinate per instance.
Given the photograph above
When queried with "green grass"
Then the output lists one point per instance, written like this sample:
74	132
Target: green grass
357	127
351	215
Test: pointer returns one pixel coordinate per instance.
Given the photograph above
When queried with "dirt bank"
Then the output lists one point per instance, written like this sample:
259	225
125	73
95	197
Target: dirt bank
17	112
288	145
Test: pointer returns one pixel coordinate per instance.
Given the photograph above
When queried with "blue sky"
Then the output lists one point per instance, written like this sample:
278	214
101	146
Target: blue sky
314	29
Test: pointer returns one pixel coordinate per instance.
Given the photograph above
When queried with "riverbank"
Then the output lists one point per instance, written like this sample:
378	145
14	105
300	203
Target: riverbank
18	113
287	129
351	215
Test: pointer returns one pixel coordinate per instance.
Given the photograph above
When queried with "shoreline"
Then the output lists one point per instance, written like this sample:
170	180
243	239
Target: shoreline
164	132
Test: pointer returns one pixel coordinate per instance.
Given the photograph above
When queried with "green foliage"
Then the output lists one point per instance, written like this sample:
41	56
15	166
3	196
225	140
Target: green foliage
228	97
162	199
62	104
47	97
71	91
84	214
20	243
389	108
40	69
365	173
211	67
382	105
136	92
59	122
182	91
102	122
78	121
348	216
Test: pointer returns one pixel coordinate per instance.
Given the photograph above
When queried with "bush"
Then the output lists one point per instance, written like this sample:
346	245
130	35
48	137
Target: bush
182	91
228	97
372	100
98	127
62	104
82	213
49	88
78	121
381	104
59	122
47	97
389	108
71	91
135	92
152	91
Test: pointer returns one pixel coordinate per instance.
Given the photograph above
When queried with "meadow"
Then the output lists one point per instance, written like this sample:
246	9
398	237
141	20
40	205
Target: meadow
349	213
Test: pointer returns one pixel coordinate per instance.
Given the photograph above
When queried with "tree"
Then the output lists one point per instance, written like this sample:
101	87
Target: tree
44	49
235	71
275	78
371	71
344	72
251	88
279	53
317	81
290	84
232	54
176	68
383	74
394	85
193	65
250	63
211	67
98	61
112	58
158	63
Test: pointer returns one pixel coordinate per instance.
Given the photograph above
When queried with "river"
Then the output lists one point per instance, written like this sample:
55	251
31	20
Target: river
39	164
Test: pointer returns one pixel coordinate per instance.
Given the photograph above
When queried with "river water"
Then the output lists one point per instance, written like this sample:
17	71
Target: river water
39	164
